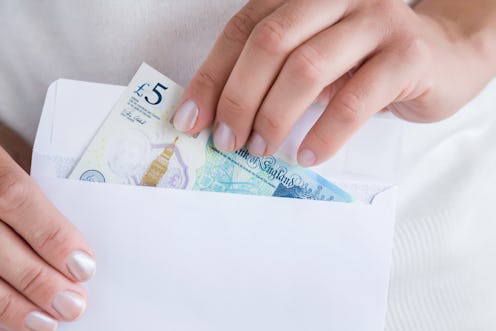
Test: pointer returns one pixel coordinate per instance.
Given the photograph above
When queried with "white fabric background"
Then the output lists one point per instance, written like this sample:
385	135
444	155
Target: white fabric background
443	272
444	263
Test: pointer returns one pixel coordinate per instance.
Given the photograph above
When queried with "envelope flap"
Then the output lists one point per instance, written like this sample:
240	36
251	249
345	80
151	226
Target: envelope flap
74	111
72	114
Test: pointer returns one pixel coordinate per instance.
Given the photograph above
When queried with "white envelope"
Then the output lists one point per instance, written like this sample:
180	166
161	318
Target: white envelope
199	261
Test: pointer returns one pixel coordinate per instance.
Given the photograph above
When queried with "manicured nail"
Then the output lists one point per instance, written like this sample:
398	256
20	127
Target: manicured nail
306	158
36	321
186	116
69	305
81	266
257	145
224	138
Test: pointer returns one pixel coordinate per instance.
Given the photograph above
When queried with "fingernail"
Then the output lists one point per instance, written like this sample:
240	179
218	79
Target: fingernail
306	158
257	145
224	138
81	266
36	321
69	305
186	116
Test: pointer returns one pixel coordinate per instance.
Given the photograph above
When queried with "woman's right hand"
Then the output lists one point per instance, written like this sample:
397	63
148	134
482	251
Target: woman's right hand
43	257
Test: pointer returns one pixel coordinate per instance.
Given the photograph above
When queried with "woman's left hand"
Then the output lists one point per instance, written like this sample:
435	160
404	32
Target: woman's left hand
276	57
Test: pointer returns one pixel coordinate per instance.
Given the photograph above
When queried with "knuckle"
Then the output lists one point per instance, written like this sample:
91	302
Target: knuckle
269	36
416	50
239	27
268	124
13	192
347	108
52	237
6	303
387	13
205	80
232	107
321	138
306	64
383	7
32	279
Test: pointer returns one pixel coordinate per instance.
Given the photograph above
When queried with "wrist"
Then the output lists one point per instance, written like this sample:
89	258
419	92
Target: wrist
472	34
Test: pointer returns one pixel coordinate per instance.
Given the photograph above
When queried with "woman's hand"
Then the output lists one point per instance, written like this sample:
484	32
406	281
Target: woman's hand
42	256
276	57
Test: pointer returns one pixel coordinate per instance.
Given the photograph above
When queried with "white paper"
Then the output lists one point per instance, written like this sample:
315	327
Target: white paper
185	260
75	110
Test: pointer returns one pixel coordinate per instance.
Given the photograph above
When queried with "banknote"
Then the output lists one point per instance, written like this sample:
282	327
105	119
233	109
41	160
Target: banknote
137	145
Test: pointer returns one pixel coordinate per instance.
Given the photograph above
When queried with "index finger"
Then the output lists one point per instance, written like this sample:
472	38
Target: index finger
29	213
200	99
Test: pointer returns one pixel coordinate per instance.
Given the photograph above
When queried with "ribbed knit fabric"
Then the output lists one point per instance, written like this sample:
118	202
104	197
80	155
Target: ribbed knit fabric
444	256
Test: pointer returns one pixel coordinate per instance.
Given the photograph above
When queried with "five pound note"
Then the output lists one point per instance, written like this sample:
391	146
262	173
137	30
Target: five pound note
137	145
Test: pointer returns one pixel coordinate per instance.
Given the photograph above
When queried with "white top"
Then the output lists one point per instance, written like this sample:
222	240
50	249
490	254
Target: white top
443	270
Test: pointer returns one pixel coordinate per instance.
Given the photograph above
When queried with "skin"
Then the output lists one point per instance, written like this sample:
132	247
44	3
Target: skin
35	242
358	57
275	58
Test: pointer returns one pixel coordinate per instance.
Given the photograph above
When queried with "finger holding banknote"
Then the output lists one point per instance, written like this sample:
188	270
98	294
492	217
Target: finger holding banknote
42	256
286	58
275	58
205	89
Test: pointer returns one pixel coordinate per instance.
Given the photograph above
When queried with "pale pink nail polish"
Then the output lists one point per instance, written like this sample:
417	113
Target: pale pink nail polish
306	158
186	116
36	321
69	305
81	266
224	138
257	145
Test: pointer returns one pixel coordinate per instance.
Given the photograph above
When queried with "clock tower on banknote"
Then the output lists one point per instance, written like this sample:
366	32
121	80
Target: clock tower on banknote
159	166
